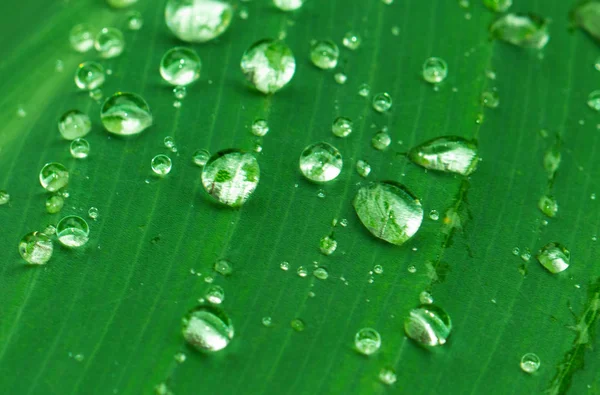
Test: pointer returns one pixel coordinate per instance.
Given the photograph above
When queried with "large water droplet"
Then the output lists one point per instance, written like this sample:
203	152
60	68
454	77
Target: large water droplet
231	176
324	54
321	162
587	16
527	31
198	21
125	114
530	363
72	231
36	248
74	124
207	328
109	43
367	341
428	324
269	65
81	38
451	154
180	66
89	76
389	211
555	257
54	176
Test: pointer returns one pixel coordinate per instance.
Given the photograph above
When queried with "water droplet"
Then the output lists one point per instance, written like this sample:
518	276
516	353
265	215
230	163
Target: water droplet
498	5
79	148
351	40
425	298
435	70
109	42
93	212
378	269
594	100
381	140
96	94
74	124
180	92
161	165
89	76
180	357
21	112
59	66
363	168
207	328
516	251
434	215
412	269
36	248
548	206
301	271
387	376
530	363
121	3
269	65
389	211
260	127
593	196
208	279
340	78
288	5
586	15
324	54
79	357
297	324
327	245
243	13
135	21
321	162
162	389
223	267
200	157
169	143
72	231
526	255
447	154
382	102
81	38
341	127
54	204
180	66
4	197
527	31
198	21
285	266
54	176
321	273
364	90
428	325
555	257
215	294
231	176
125	114
490	99
367	341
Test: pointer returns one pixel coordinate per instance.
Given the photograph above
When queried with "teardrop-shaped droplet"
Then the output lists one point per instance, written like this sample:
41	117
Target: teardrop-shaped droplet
207	328
527	31
428	325
451	154
125	114
555	257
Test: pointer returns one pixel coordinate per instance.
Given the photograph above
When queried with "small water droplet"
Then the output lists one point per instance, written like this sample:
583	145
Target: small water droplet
72	231
527	31
200	157
4	197
321	273
180	66
198	21
341	127
125	114
412	269
90	76
285	266
267	321
215	294
381	141
297	324
425	298
530	363
548	205
327	245
81	38
498	5
363	168
367	341
223	267
321	162
302	272
79	148
435	70
36	248
74	124
54	176
93	213
324	54
109	42
135	21
207	328
54	204
364	90
382	102
387	376
593	100
352	40
268	65
428	325
490	99
340	78
451	154
288	5
161	165
555	257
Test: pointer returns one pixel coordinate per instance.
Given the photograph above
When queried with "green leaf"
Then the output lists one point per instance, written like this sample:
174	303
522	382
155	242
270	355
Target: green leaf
107	319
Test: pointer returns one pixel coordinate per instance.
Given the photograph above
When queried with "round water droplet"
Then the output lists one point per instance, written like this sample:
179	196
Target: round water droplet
215	294
223	266
161	165
297	324
180	357
387	376
50	230
498	5
125	114
321	162
555	257
198	21
79	148
180	66
378	269
169	143
327	245
285	266
434	215
324	54
36	248
428	325
367	341
81	38
364	90
435	70
389	211
74	124
267	321
288	5
301	271
72	231
54	176
231	177
109	42
450	154
341	127
121	3
269	65
4	197
527	31
425	298
340	78
135	21
594	100
180	92
200	157
321	273
207	328
89	76
93	212
96	94
54	204
260	127
530	363
490	99
548	206
382	102
412	269
363	168
381	140
351	40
